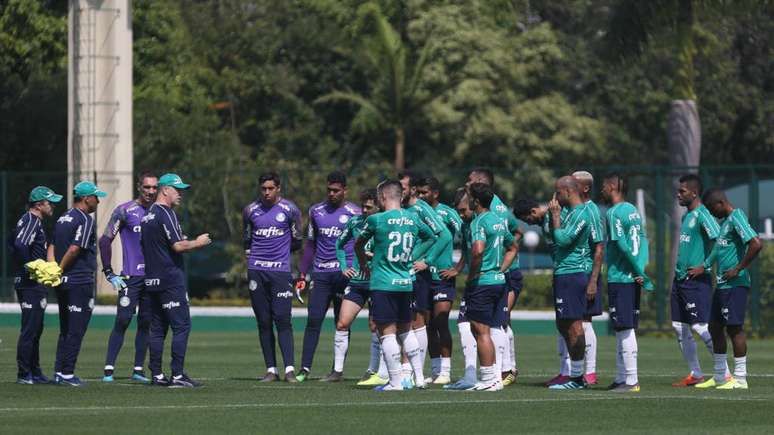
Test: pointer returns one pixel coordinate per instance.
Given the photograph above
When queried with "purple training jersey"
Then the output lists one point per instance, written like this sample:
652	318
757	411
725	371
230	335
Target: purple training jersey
126	220
326	223
268	232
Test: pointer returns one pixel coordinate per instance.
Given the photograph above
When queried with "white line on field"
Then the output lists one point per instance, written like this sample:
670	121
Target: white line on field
578	397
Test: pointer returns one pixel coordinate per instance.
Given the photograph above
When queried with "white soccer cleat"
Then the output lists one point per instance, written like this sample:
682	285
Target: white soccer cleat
495	385
441	380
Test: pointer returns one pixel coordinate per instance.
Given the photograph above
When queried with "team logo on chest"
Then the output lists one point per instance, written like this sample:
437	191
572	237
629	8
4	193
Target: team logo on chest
692	222
343	219
280	217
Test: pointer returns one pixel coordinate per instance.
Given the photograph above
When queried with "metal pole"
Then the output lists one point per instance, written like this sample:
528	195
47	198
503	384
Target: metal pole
755	291
4	196
660	250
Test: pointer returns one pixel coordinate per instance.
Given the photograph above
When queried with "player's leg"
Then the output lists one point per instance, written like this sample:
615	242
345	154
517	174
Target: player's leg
681	318
25	345
126	304
320	298
351	305
384	311
143	331
423	303
377	373
570	304
261	300
444	292
484	305
625	307
281	307
340	285
469	353
408	337
734	312
38	321
175	303
500	316
158	333
515	284
64	314
81	304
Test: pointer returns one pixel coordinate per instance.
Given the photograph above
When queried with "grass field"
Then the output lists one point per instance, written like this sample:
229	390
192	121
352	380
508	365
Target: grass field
232	401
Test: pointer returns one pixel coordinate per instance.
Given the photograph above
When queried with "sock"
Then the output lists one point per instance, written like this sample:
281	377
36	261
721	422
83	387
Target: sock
421	336
703	330
688	347
576	368
498	339
469	351
272	370
340	346
376	353
512	342
445	367
391	350
740	368
111	368
629	355
289	369
489	374
591	348
564	356
64	376
383	372
138	369
405	369
720	366
435	366
414	354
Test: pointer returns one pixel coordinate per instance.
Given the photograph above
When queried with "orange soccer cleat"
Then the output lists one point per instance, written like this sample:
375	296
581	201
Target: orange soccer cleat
689	381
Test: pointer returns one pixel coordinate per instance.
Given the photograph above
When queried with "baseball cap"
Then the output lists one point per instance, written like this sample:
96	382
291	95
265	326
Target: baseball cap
173	180
41	193
87	188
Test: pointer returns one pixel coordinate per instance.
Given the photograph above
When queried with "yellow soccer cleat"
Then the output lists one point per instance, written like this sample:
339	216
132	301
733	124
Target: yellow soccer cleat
707	384
733	384
509	379
373	381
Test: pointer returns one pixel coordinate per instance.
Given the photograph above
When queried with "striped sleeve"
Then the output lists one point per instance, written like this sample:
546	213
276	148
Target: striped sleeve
171	226
742	226
83	230
710	225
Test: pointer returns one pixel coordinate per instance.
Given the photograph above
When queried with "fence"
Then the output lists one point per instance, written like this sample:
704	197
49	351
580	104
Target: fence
214	205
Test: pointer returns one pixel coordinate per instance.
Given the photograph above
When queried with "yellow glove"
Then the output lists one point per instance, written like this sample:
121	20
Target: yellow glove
33	266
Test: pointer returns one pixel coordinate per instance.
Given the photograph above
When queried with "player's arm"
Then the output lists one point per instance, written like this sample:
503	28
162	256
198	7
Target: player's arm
753	243
22	239
511	246
180	243
82	230
437	247
296	236
565	237
247	230
117	220
369	229
712	230
596	268
341	253
476	256
428	238
310	246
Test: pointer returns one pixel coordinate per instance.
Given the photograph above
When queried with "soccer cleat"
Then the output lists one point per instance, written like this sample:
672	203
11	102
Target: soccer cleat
373	381
40	379
366	376
388	387
269	377
625	388
689	381
107	378
163	381
558	379
509	379
495	385
74	381
184	381
139	376
461	385
290	378
441	380
302	375
733	384
407	383
590	378
25	380
710	383
333	376
571	384
614	385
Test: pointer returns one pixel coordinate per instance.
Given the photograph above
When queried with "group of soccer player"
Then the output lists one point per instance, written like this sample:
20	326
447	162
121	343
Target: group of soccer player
394	252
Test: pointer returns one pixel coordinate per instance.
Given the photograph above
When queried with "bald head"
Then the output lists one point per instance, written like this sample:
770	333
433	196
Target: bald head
717	203
568	191
568	182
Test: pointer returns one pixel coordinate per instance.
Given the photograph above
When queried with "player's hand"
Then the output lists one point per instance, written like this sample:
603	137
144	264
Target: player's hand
365	272
591	290
731	274
203	239
300	286
419	266
695	271
554	207
117	282
639	280
449	273
349	273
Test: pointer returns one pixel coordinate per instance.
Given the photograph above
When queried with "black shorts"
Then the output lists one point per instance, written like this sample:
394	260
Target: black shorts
486	303
624	300
357	293
691	300
570	295
443	290
390	307
729	306
423	298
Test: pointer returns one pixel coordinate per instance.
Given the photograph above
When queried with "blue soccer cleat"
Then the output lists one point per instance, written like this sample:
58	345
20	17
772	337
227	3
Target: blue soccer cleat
388	387
139	376
107	378
40	378
74	381
25	380
460	385
572	384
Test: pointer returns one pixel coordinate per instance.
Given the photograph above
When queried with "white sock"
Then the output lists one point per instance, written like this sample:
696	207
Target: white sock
421	336
512	343
489	374
576	368
383	371
469	351
340	346
391	350
376	353
137	369
591	348
620	371
720	366
290	369
629	355
414	354
435	366
740	368
499	340
445	367
564	356
272	370
407	372
688	347
111	368
703	330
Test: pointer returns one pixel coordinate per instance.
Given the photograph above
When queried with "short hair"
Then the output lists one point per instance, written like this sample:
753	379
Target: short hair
431	182
523	206
368	195
269	176
486	172
713	196
482	193
390	189
145	174
459	195
693	181
337	177
620	181
584	176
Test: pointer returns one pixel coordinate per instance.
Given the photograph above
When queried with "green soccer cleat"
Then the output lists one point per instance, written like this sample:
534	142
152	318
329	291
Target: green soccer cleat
374	381
710	383
302	375
734	384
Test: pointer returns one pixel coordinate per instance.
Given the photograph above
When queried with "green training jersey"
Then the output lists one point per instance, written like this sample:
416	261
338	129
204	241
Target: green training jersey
571	242
466	245
351	231
490	228
730	248
697	232
394	234
597	234
626	241
501	210
428	215
547	233
451	220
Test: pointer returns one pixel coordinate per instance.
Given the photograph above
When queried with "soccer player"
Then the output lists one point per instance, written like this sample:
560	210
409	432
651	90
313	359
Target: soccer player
692	289
514	278
75	250
126	219
394	232
356	293
491	253
326	223
571	273
30	242
627	256
736	247
163	245
443	290
597	247
272	229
